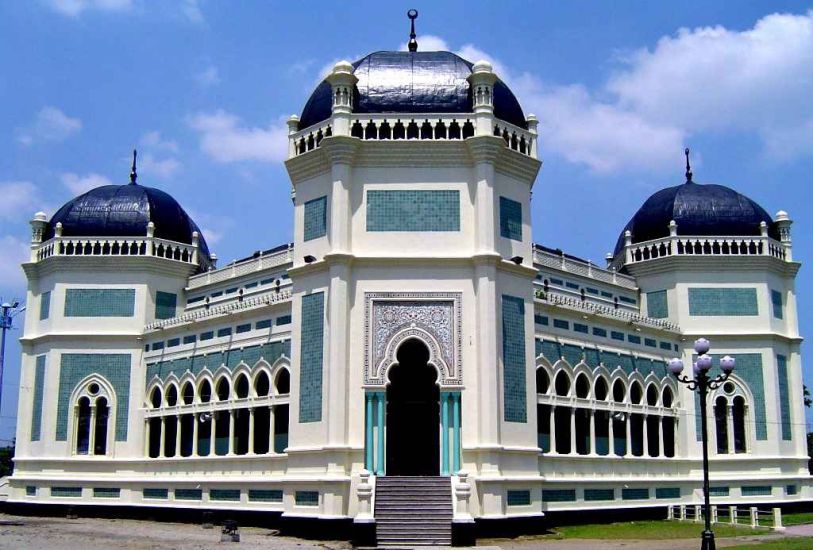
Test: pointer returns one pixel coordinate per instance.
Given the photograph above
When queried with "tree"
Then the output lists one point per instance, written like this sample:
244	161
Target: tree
6	460
806	396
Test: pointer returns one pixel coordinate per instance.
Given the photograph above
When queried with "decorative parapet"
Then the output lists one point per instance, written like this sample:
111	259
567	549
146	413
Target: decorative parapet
275	297
703	246
585	269
604	311
244	267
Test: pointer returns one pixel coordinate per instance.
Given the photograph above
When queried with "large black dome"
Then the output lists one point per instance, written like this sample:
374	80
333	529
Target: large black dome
125	211
412	82
702	210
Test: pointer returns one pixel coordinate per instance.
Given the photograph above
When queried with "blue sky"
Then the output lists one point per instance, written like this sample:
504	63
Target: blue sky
202	88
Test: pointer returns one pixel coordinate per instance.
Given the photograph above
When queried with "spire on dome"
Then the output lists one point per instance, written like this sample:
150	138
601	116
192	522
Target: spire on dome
133	173
688	167
413	44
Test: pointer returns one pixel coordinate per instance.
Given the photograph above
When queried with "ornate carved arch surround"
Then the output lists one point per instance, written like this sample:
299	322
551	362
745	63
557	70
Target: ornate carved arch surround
391	318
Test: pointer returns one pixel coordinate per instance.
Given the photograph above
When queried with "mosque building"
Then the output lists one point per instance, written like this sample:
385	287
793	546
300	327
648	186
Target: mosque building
412	363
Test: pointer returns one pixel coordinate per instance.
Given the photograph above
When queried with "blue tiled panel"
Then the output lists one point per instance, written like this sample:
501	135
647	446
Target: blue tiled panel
31	490
36	413
265	323
265	495
551	351
784	396
537	347
306	498
627	300
190	339
73	492
574	286
243	328
666	345
518	497
311	357
776	302
541	320
735	302
656	305
283	320
208	335
224	494
635	493
513	356
510	219
578	327
791	490
188	494
617	335
650	342
721	491
558	495
106	492
633	339
99	302
413	210
114	367
315	218
155	493
45	305
756	490
572	354
749	369
592	357
561	323
223	332
173	342
599	494
165	304
667	492
599	332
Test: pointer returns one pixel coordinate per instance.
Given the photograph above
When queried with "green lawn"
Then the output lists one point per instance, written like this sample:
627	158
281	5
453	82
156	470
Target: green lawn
789	543
647	530
797	518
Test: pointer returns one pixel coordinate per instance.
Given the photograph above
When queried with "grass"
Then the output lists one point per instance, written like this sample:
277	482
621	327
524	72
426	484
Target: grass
646	530
798	518
789	543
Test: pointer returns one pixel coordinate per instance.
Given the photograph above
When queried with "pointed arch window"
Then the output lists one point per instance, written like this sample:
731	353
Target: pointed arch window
91	423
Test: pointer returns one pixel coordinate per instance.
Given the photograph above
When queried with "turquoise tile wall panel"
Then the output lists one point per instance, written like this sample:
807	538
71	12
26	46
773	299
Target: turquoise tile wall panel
315	218
188	494
311	357
791	490
243	328
656	305
749	369
633	339
71	492
223	332
283	320
637	493
265	323
45	305
306	498
31	490
413	210
39	388
510	219
617	335
551	351
538	347
578	327
784	397
667	492
100	302
106	492
561	323
156	493
735	302
776	302
513	355
518	497
599	494
165	305
650	342
224	494
572	354
718	491
265	495
756	490
558	495
599	332
113	367
591	357
270	352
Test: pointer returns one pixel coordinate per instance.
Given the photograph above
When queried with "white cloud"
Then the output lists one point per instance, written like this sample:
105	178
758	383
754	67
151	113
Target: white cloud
162	168
14	251
153	140
224	138
50	124
191	9
214	227
81	184
20	200
74	8
429	43
209	76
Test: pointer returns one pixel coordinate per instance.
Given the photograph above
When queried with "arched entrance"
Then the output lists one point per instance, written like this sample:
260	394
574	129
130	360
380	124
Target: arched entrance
413	414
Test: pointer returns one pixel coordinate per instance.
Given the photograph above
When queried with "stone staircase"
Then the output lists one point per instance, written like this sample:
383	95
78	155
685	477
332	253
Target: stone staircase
411	511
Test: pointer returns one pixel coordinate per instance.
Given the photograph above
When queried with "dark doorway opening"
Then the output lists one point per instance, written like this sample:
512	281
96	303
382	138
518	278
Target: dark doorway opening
413	414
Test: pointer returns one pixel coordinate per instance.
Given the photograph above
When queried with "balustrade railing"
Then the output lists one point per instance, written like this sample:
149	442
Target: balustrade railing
118	246
606	311
236	269
704	246
586	269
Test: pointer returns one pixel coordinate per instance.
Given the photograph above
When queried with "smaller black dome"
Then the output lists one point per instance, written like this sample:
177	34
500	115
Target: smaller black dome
702	210
125	211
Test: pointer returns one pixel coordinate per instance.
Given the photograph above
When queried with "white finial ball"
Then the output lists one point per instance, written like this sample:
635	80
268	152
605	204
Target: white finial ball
40	216
343	66
782	216
482	66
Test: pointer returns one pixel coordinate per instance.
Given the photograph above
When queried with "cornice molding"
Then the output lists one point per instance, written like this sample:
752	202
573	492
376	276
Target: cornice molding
672	264
117	264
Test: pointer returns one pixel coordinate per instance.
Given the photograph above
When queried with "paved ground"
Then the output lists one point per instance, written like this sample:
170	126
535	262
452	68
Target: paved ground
589	544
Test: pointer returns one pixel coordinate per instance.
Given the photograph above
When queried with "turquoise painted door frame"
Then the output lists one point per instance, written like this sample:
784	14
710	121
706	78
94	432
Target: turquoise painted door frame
375	407
449	432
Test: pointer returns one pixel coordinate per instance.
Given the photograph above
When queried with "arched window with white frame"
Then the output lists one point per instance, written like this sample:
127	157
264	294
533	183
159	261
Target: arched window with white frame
92	423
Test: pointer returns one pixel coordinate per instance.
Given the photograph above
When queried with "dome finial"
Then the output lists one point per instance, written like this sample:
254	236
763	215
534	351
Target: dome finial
413	44
133	173
688	167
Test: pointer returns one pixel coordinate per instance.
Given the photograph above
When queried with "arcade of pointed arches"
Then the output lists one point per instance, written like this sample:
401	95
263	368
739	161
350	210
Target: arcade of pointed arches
244	411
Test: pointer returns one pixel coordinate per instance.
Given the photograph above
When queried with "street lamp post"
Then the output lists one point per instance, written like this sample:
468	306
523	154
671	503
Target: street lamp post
8	311
701	383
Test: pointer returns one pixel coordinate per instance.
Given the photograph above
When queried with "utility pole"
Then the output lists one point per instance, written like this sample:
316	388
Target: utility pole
8	311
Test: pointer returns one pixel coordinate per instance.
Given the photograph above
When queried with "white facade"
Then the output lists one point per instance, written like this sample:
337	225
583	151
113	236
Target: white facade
552	392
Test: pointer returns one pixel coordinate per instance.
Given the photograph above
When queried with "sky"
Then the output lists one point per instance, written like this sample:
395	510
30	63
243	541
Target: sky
203	88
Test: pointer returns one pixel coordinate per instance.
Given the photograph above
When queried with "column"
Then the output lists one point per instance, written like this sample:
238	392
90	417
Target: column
162	446
573	430
628	422
212	431
457	452
660	437
730	427
381	407
271	426
610	434
646	435
444	434
251	431
552	429
178	435
147	438
195	422
231	432
591	444
368	432
92	431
